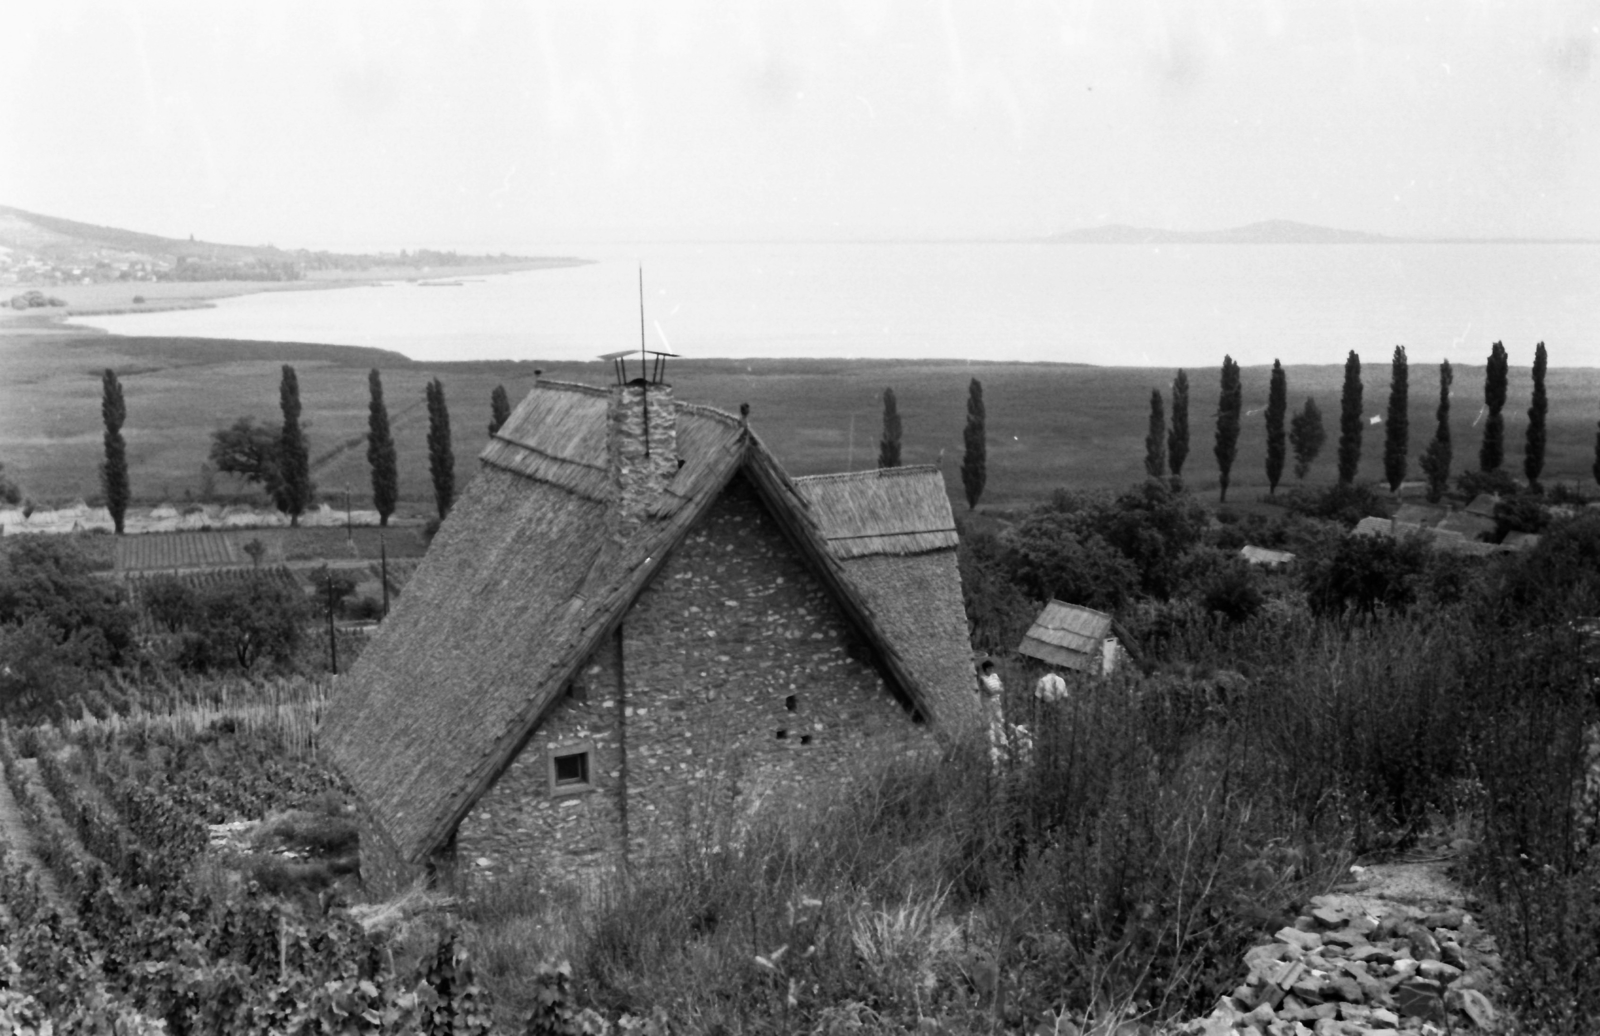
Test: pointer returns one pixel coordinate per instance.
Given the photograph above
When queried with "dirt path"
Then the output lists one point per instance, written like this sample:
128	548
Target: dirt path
19	840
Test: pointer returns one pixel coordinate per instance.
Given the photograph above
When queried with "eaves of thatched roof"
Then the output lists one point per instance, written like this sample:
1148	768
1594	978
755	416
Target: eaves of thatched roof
523	581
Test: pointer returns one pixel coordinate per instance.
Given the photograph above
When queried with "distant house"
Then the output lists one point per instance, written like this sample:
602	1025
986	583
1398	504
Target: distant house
1070	636
1449	540
1264	557
633	617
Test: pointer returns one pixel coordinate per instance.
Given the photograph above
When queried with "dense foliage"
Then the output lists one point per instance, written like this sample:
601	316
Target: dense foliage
441	457
1306	436
1351	423
974	437
889	440
499	408
1397	426
381	451
1178	435
294	457
114	469
1230	404
1491	454
1436	458
1155	440
1277	410
1533	451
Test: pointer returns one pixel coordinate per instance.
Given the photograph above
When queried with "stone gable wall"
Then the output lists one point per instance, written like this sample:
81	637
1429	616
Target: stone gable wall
733	626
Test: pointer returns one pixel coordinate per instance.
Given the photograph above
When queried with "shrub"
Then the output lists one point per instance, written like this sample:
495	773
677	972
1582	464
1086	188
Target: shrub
1367	573
1343	503
1497	482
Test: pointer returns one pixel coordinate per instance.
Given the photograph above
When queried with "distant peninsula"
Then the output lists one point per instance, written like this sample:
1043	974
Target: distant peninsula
1276	232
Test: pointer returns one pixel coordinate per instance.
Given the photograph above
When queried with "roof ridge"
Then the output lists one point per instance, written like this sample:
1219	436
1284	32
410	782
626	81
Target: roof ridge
895	472
707	410
572	386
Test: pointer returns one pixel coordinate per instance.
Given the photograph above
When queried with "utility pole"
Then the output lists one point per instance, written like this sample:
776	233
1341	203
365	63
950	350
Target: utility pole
383	554
349	530
333	644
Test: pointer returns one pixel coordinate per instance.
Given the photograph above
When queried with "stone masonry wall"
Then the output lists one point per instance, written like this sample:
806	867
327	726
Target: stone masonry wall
744	688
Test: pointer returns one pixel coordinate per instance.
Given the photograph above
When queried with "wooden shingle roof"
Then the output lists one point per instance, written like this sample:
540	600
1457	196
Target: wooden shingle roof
1066	635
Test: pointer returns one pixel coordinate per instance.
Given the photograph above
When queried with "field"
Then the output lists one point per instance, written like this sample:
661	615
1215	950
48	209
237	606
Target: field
1049	425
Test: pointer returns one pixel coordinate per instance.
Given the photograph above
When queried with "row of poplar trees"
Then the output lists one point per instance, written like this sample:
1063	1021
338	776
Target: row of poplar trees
286	471
975	458
1167	443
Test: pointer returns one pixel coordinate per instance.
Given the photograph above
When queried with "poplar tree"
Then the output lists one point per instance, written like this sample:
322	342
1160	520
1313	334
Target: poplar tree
441	459
381	452
1533	451
114	471
1492	453
294	459
1397	429
1155	443
1306	436
975	462
499	408
1277	409
1596	468
1178	430
1229	403
1436	459
1350	423
889	445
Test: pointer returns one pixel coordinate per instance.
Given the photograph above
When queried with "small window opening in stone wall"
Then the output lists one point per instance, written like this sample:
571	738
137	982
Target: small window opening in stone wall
570	769
805	739
783	735
790	703
578	691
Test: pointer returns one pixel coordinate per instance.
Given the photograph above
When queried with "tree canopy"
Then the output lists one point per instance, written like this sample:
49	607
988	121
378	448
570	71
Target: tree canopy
114	469
975	461
1277	410
1230	403
1397	426
1306	436
1155	440
1491	454
1533	450
1351	424
381	451
1436	458
1178	427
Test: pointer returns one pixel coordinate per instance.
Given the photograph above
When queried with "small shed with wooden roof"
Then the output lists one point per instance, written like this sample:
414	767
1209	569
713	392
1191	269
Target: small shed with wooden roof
632	614
1069	636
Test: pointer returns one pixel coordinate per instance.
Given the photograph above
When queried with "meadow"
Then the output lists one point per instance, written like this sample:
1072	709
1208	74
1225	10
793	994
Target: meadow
1049	425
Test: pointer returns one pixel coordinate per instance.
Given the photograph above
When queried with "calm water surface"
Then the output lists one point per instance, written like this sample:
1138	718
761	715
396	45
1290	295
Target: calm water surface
1104	304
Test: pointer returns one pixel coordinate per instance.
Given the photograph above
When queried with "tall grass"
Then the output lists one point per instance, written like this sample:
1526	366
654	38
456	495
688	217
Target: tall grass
287	709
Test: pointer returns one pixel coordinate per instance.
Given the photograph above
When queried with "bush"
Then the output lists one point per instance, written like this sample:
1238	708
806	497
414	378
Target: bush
1231	592
1497	482
50	580
170	602
1346	504
243	621
1365	574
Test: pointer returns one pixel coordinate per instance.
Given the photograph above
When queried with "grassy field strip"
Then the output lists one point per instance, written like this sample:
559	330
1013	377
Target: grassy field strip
289	709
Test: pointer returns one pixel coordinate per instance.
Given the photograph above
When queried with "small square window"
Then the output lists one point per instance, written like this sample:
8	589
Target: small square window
569	769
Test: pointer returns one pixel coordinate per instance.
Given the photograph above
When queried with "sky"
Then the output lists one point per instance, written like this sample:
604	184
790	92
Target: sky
489	126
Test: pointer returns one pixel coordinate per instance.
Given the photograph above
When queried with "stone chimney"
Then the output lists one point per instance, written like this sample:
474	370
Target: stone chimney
642	438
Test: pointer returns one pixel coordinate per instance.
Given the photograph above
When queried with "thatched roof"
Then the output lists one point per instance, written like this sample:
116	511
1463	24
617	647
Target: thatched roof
523	581
894	533
1067	635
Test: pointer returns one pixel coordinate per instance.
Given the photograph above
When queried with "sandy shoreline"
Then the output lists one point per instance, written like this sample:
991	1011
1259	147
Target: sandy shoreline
117	296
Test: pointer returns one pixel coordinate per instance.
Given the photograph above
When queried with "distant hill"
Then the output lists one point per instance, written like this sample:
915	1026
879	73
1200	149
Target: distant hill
1270	232
41	249
57	238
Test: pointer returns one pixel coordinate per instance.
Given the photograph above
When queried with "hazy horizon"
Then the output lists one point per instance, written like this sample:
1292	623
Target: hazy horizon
484	127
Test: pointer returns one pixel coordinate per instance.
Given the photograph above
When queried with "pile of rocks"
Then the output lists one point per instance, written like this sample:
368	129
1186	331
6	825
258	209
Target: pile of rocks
1356	966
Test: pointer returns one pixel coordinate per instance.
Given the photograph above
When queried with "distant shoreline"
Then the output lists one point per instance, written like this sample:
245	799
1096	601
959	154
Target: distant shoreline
110	298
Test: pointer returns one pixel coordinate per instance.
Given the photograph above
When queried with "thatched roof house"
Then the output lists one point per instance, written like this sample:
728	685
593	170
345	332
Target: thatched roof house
629	581
1069	636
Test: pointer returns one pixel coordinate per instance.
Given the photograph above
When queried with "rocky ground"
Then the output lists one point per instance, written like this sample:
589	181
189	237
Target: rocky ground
1394	950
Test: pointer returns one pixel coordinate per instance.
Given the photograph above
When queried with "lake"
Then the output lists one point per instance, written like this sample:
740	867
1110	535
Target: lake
1163	306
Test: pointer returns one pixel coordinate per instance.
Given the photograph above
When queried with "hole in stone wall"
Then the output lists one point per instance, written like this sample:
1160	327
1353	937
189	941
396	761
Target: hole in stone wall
790	704
783	735
805	739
